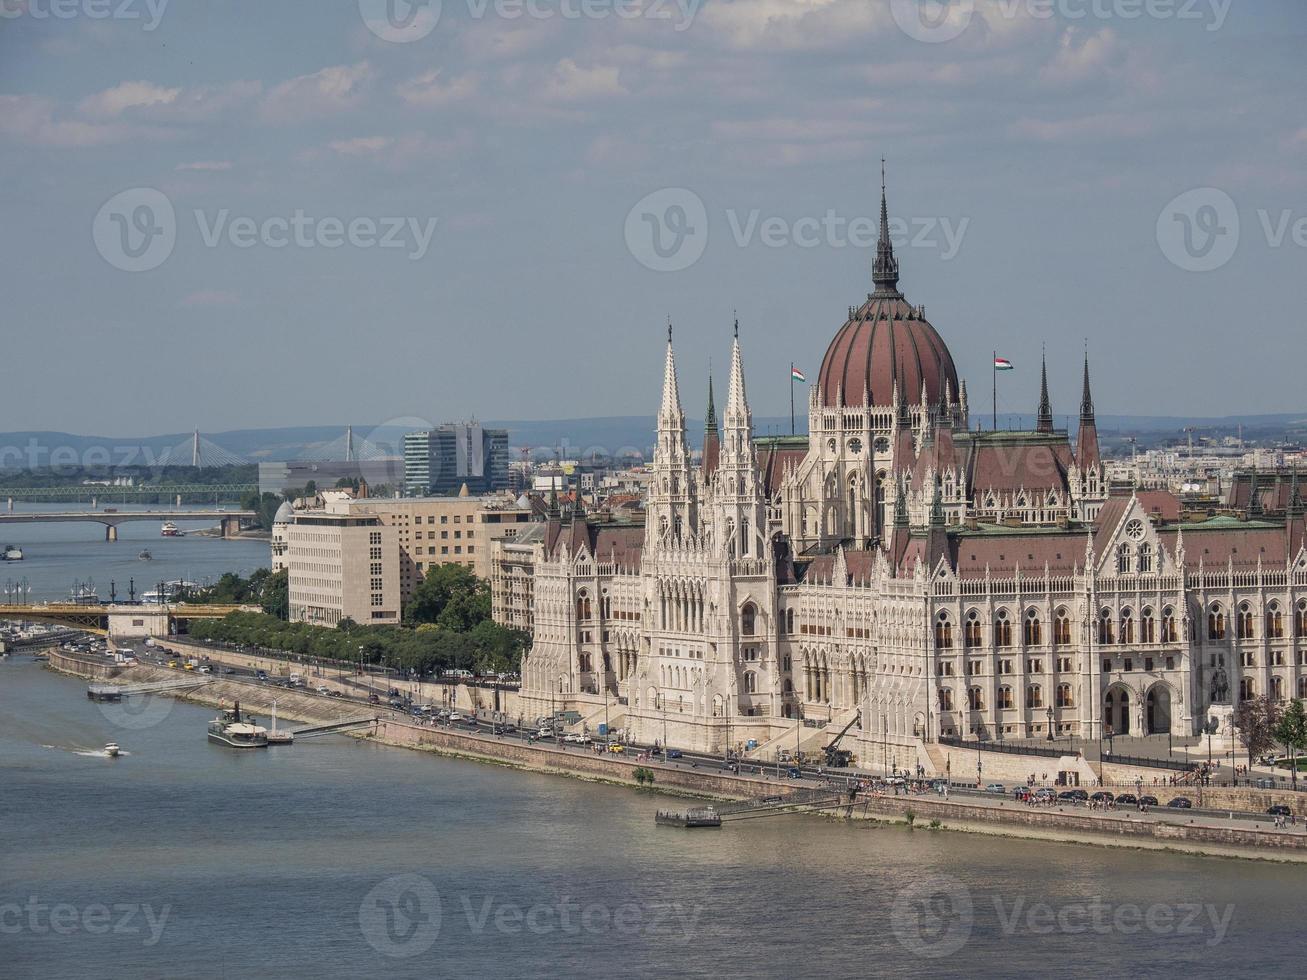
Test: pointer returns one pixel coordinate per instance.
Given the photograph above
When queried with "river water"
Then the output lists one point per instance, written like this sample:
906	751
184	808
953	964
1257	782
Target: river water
57	556
339	858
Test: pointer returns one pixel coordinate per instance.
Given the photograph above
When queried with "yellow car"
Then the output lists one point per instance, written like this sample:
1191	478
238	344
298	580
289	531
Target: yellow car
172	663
617	748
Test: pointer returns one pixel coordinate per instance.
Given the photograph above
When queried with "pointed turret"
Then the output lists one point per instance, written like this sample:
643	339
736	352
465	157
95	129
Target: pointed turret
885	270
1045	421
1087	454
669	413
711	438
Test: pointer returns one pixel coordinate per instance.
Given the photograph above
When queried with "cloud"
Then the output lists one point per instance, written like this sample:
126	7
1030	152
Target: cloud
431	89
31	119
209	297
339	88
1082	57
795	24
570	82
113	102
360	145
203	165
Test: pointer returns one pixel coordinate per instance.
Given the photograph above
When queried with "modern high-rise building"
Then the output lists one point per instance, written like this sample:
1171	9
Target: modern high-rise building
444	459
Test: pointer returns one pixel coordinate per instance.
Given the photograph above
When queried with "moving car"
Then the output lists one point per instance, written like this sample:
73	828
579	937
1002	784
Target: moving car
1102	796
1181	803
1148	800
995	788
1279	810
673	753
1127	799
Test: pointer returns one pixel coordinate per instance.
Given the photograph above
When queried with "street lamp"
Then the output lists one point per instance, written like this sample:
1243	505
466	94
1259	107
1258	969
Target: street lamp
1050	722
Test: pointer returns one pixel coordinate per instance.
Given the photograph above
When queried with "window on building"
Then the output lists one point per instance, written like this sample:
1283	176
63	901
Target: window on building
975	699
1034	630
1147	626
1106	630
973	629
1034	696
1274	622
1169	628
1005	697
1002	629
945	699
1064	696
1216	623
943	632
1062	629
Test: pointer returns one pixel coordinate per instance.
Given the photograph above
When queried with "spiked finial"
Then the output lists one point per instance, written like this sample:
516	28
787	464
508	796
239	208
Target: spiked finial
1086	399
1045	421
885	269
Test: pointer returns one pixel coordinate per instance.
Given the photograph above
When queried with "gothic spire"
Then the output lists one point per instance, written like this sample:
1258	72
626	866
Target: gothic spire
737	404
885	270
1086	399
710	419
1045	422
670	413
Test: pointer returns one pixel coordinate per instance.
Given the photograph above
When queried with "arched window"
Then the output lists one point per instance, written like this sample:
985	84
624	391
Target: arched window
1062	628
973	629
1247	690
943	632
1106	632
1005	697
1301	627
1064	697
1034	696
880	501
1169	629
975	699
789	621
1246	631
1277	688
1034	631
1002	629
945	699
1122	558
748	615
1216	623
1274	622
583	605
1145	562
1127	626
1147	626
750	682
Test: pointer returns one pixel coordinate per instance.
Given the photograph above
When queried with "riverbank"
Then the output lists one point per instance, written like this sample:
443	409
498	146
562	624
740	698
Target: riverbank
1167	830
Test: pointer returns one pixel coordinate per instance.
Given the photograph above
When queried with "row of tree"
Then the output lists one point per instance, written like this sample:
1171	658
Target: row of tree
447	625
1263	724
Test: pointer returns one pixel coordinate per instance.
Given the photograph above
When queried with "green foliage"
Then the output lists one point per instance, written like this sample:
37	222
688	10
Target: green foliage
1257	720
911	817
264	506
643	776
488	649
452	597
263	588
1291	729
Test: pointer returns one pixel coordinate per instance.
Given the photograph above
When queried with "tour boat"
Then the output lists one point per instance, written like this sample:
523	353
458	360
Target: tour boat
170	530
84	594
12	553
228	729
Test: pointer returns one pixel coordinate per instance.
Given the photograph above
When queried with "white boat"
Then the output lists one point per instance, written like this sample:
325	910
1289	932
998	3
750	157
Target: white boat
12	553
170	530
111	750
145	555
228	729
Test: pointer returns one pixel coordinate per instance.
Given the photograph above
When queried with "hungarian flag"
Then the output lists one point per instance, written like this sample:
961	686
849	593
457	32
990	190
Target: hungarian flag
797	375
1002	364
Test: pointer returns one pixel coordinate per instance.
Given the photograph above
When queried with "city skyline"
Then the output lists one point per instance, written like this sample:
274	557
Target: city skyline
516	136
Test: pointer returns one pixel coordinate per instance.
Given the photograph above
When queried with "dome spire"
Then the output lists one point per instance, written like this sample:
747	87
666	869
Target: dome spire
885	270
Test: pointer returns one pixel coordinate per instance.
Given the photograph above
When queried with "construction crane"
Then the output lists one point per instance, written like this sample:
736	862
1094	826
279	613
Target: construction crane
837	757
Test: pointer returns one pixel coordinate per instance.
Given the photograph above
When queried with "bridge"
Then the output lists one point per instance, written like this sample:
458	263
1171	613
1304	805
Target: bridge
229	520
119	620
143	493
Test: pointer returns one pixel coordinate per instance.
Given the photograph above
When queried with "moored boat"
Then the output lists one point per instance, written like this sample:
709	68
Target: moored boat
690	820
231	730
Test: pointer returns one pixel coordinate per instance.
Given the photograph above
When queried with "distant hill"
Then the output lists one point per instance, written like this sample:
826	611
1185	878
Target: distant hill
24	450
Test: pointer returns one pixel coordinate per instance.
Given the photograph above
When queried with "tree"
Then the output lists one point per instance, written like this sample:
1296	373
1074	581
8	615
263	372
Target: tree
450	596
275	595
1256	720
1291	732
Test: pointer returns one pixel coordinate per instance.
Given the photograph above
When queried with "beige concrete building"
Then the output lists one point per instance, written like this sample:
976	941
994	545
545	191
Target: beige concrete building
342	565
513	561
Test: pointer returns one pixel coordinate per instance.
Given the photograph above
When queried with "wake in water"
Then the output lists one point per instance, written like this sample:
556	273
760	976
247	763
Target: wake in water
87	753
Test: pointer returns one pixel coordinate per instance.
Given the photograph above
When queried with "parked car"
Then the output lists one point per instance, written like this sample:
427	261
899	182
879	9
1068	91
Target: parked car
1127	799
374	699
617	748
1148	800
995	788
1102	796
205	669
1181	803
1045	793
793	773
673	753
261	675
1073	795
1279	810
323	689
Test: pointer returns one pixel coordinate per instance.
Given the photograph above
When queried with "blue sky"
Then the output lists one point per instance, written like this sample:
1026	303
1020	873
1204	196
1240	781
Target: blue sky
477	197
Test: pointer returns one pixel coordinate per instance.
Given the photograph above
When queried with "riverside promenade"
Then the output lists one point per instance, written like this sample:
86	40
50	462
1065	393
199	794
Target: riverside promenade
1232	834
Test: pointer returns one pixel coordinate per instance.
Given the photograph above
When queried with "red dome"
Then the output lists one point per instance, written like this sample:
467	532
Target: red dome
886	340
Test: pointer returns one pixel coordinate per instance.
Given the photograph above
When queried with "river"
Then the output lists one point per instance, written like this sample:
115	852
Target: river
340	858
57	556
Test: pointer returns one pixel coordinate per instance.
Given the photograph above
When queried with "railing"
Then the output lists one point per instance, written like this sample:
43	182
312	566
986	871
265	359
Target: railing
1146	763
1005	747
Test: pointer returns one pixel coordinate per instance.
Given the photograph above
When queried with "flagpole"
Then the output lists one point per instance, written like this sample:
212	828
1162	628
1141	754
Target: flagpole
792	398
994	366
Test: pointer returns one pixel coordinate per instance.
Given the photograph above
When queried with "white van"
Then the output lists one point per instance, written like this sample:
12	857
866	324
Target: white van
296	680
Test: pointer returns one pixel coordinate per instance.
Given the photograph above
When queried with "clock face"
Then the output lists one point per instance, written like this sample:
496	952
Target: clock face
1135	529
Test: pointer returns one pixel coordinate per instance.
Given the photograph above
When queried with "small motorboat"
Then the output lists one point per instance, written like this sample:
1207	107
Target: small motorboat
111	750
145	555
12	553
